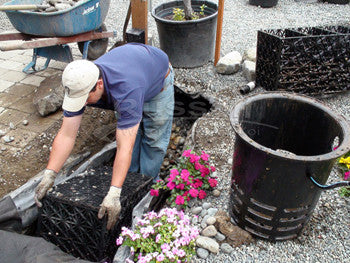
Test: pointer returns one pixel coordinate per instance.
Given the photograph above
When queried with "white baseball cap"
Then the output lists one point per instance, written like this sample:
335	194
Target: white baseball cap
78	78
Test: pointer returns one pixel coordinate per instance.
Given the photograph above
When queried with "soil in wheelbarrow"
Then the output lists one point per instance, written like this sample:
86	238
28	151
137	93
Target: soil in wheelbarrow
97	129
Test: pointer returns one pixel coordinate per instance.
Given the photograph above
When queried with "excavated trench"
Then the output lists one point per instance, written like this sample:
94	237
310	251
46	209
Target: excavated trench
76	202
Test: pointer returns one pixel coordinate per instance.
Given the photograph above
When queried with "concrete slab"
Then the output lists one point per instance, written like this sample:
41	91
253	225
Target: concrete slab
7	99
13	76
25	104
21	90
13	116
48	72
4	84
8	64
21	137
33	80
10	54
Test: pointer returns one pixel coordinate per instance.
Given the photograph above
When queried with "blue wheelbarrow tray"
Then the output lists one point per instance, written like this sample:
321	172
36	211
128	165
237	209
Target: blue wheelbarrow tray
83	17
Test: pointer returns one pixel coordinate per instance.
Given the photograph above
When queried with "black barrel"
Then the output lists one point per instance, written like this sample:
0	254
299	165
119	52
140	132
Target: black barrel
282	140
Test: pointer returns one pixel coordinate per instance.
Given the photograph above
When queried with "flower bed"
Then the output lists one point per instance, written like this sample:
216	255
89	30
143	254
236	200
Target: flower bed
190	178
161	237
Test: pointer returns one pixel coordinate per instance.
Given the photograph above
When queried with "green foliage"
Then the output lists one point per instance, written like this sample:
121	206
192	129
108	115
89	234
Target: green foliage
344	191
179	13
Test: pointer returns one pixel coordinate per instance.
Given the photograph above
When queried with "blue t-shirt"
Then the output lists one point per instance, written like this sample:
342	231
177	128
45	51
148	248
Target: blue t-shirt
132	74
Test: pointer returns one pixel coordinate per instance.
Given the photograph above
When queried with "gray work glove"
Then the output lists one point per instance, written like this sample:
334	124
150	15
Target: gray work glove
111	204
45	184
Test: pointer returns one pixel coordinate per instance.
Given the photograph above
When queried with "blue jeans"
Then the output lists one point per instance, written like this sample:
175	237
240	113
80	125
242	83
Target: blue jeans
154	132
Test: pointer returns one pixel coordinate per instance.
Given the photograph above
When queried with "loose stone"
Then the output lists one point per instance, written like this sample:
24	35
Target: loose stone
216	193
204	212
2	133
211	220
209	231
202	253
25	122
195	220
8	139
206	205
196	210
208	243
220	237
12	126
212	211
226	248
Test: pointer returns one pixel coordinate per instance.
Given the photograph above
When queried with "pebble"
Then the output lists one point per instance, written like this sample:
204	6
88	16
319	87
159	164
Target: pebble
12	126
208	243
202	253
194	220
2	133
8	139
211	220
206	205
226	248
216	192
209	231
204	212
212	211
220	237
196	210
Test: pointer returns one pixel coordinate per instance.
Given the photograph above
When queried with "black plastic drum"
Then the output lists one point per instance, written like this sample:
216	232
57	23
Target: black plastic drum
283	154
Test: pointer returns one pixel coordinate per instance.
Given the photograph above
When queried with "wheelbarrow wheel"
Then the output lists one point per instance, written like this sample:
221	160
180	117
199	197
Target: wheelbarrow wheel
97	47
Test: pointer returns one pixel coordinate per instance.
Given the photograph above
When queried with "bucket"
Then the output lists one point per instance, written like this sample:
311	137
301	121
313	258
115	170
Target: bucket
283	156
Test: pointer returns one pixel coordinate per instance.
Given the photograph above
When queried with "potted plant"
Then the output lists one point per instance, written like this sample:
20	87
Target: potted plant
187	32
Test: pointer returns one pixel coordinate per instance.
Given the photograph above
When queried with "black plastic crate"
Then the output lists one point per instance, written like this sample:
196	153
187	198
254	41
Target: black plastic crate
310	60
69	219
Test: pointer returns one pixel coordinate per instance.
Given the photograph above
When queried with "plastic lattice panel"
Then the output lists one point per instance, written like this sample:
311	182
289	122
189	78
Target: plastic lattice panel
69	220
311	60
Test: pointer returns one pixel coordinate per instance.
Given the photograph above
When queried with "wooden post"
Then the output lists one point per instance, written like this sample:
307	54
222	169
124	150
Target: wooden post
139	11
219	31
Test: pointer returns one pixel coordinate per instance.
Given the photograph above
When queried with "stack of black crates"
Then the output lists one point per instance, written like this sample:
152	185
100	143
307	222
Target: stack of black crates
69	220
311	60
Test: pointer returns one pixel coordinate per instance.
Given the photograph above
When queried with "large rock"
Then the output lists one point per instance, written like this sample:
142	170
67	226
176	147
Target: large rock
235	236
248	68
230	63
49	96
208	244
250	54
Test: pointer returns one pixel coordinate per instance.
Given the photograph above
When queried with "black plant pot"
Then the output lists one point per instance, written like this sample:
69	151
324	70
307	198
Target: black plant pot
189	43
263	3
338	2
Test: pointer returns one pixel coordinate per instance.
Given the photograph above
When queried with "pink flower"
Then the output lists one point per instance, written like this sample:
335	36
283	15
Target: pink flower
185	174
179	200
171	185
347	175
202	194
205	171
212	168
119	241
160	257
204	156
212	182
154	192
158	237
193	192
174	172
194	158
165	247
180	186
187	153
198	183
197	166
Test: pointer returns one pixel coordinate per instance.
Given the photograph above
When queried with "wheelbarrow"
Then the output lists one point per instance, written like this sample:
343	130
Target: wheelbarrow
49	33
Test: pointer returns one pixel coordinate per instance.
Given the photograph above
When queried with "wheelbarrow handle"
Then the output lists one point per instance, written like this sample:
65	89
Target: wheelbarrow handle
331	186
22	7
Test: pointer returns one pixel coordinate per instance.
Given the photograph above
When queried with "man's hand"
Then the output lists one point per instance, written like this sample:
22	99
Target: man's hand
45	184
111	204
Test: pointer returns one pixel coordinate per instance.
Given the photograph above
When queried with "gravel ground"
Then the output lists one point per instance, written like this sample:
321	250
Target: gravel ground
327	235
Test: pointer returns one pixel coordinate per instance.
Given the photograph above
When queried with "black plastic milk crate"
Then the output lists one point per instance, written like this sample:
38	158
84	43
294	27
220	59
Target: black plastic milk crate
311	60
69	219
